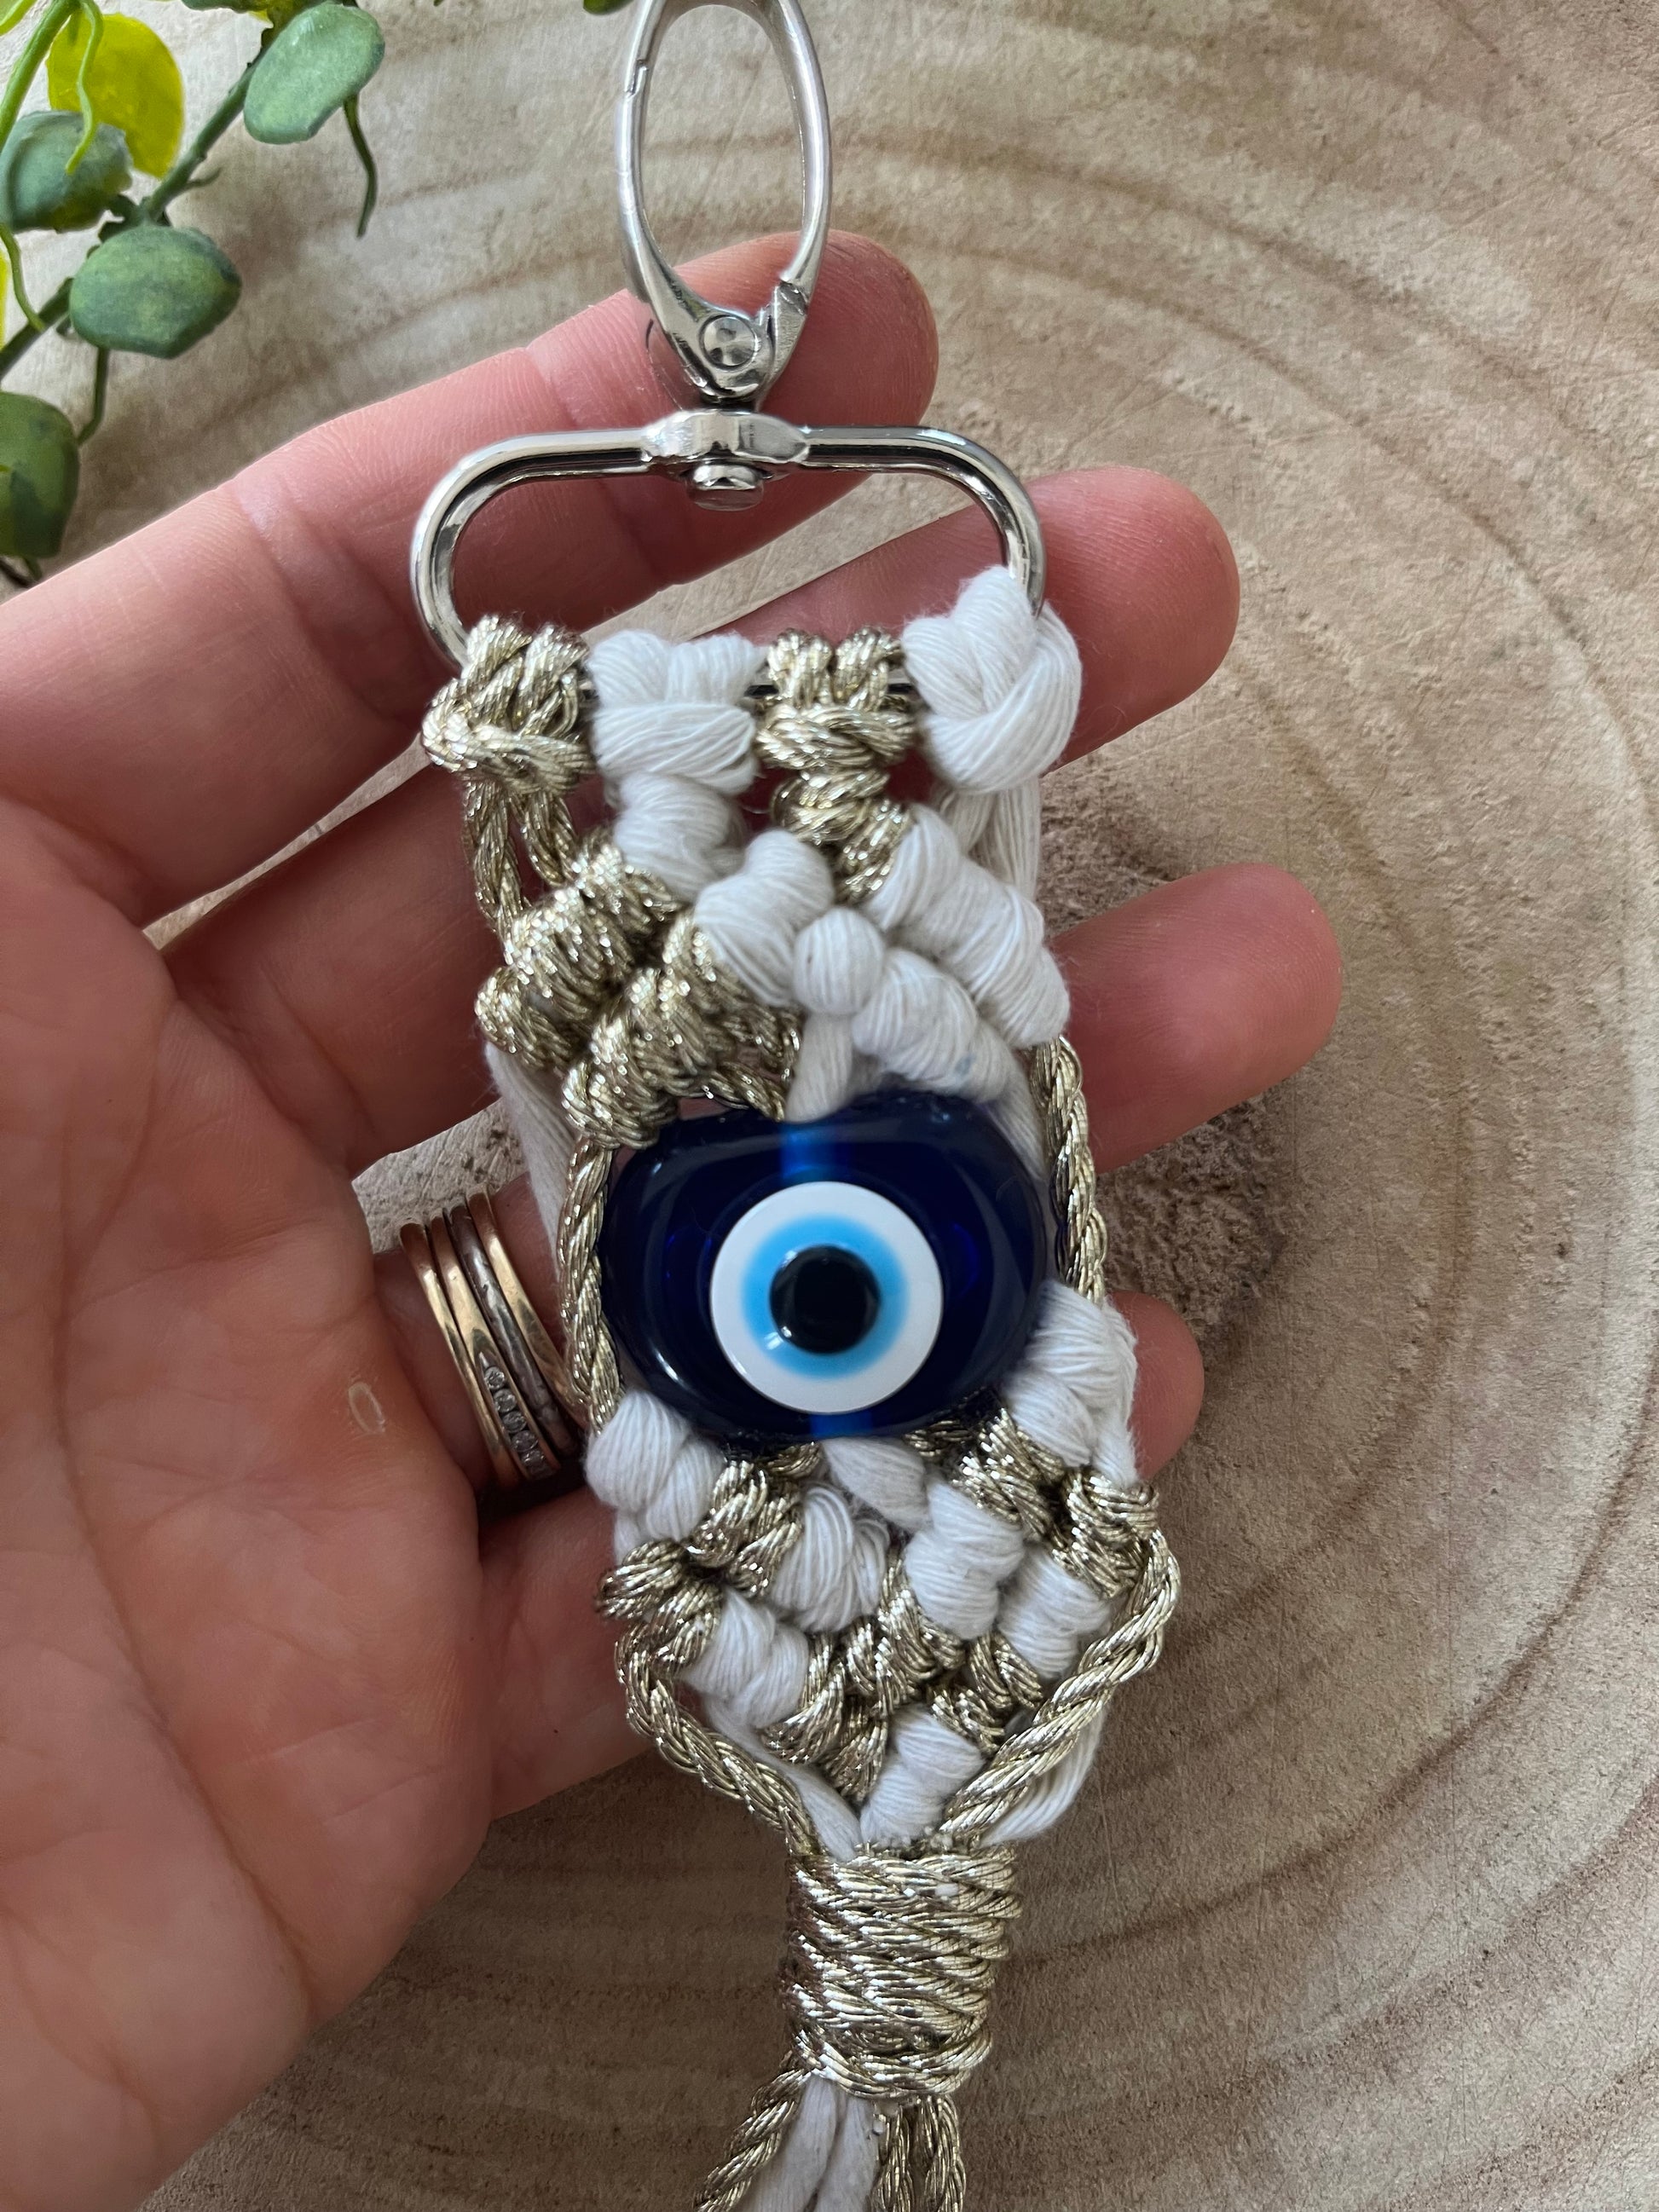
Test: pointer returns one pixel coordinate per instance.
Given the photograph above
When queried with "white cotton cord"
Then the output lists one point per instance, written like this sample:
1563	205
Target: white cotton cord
1081	1363
834	1818
1001	686
755	917
1003	834
1054	1795
791	2182
1016	1116
657	1474
674	740
850	2175
1048	1613
917	1023
1076	1380
926	1763
531	1100
832	1573
885	1473
957	1563
986	933
826	1069
754	1665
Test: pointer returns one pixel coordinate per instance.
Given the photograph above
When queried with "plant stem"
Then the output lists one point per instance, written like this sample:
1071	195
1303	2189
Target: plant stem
93	16
180	178
371	174
20	291
95	422
35	49
19	342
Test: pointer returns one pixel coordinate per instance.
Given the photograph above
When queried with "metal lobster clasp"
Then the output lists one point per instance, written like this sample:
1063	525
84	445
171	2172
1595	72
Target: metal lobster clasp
725	356
722	450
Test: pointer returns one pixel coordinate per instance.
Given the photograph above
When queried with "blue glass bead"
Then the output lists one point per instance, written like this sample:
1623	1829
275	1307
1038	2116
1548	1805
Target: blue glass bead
865	1273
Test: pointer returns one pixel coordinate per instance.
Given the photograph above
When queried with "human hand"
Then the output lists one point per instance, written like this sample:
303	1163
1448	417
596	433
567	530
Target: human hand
262	1683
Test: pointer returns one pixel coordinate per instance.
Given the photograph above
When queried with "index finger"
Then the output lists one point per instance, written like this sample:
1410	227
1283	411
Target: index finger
184	704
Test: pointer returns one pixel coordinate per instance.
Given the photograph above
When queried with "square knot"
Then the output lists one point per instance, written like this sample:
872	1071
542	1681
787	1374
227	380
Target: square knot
890	1963
514	713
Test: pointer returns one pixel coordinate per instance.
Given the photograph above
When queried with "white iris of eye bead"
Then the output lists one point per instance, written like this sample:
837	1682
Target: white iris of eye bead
883	1248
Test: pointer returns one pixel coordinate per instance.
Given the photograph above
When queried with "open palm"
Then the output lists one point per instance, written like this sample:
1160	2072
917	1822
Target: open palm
261	1685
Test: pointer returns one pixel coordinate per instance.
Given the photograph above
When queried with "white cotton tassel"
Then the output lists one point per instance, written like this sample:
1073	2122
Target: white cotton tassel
1001	685
792	2181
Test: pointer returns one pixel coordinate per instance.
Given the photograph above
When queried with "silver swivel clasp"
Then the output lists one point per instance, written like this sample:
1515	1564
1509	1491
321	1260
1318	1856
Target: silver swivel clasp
725	356
717	362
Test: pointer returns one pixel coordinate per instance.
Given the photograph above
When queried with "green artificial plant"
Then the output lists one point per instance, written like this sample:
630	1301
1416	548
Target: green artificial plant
148	284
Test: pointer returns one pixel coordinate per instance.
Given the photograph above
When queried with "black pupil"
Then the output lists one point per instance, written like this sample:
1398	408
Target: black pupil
825	1299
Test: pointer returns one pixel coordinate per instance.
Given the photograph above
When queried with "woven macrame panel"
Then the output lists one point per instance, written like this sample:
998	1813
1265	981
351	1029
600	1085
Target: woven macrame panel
896	1651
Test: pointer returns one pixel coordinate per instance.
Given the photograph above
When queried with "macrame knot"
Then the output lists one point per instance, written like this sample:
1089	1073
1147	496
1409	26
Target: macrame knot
835	727
1001	685
890	1964
513	713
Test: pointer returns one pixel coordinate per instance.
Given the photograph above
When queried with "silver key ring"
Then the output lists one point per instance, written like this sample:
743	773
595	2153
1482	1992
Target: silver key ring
725	454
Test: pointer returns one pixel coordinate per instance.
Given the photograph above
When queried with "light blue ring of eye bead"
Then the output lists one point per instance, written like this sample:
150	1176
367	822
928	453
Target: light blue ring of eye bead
851	1218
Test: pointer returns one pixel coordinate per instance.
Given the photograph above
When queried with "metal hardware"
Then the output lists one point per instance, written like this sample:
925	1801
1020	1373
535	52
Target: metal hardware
725	454
514	1379
679	444
725	357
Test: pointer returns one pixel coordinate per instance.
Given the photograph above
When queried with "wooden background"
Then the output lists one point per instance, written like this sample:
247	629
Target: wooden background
1360	1909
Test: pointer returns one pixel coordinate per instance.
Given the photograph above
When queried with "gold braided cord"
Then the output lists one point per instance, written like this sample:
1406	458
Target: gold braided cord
568	954
657	1712
889	1966
608	983
757	2140
681	1026
836	726
1056	1079
1071	1708
921	2165
858	1679
589	1351
508	725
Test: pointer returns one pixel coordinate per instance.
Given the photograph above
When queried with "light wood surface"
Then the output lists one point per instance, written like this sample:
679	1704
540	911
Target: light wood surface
1359	1912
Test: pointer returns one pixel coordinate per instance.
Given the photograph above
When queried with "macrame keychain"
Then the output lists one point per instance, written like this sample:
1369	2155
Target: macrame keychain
842	1351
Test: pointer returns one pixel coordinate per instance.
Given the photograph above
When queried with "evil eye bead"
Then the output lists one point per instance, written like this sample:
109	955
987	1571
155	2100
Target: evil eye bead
868	1272
826	1297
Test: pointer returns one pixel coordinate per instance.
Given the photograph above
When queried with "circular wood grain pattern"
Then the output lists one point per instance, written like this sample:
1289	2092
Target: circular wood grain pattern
1358	1911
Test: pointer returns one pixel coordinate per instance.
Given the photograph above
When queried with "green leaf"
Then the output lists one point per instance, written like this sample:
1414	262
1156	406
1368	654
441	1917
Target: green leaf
133	83
40	474
237	7
604	7
324	58
40	190
152	290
